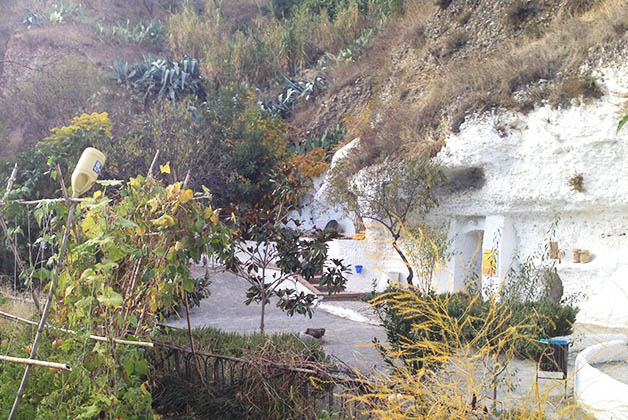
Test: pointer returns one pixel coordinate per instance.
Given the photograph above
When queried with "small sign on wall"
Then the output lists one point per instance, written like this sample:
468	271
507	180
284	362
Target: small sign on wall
489	262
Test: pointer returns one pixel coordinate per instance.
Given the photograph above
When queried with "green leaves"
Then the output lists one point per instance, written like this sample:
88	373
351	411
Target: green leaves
110	298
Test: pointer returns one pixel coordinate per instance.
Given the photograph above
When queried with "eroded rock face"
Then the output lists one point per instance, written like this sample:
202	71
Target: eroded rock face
527	163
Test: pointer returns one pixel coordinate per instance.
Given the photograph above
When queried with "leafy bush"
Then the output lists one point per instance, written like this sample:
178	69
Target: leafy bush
228	143
536	319
127	260
96	387
457	348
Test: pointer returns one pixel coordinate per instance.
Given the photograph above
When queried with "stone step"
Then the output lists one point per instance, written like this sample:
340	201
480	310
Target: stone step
342	296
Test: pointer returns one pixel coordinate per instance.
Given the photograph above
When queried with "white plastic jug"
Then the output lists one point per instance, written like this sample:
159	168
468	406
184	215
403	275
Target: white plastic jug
87	170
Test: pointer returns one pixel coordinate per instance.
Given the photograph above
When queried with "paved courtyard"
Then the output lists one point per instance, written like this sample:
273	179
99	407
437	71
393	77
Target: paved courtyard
350	341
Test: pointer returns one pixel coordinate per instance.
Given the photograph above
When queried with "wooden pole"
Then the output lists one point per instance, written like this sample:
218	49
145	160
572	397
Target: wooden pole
12	177
92	337
187	313
33	362
44	317
152	165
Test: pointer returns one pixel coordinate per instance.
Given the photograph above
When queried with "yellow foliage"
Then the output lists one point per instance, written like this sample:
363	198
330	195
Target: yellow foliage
454	376
165	169
212	215
87	122
165	221
185	196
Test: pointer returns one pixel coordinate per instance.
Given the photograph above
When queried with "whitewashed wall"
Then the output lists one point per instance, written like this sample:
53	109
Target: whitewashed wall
602	396
527	161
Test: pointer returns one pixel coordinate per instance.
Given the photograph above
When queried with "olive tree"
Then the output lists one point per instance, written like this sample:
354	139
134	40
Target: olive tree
389	193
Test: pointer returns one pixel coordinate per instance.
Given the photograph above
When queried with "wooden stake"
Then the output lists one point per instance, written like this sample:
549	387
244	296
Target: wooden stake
187	180
152	165
12	244
12	177
60	176
32	362
196	363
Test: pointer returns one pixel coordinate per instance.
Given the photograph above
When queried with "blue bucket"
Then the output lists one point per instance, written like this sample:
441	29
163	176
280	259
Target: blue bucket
358	269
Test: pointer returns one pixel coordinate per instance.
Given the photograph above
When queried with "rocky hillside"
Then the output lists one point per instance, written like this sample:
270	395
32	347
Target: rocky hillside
444	60
402	75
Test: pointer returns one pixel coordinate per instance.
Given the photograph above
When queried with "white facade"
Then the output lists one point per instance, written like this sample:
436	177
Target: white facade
511	174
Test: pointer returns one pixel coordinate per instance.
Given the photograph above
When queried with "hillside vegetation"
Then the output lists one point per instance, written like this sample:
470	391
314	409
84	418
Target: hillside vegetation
444	60
390	69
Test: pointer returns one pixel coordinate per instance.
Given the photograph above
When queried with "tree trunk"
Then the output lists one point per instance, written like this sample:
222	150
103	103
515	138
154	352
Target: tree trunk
261	322
405	261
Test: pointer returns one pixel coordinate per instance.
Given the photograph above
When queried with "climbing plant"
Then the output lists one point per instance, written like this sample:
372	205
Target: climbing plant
128	260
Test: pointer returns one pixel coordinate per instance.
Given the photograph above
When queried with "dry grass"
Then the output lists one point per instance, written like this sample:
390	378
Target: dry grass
427	91
16	305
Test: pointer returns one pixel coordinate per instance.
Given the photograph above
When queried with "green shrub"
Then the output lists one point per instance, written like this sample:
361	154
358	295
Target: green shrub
228	143
536	319
96	387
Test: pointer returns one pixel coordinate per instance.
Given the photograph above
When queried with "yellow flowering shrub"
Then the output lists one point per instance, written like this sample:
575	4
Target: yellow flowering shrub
87	122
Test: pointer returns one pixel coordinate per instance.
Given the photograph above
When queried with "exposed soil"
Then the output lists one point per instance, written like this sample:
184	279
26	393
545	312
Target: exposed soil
342	101
28	52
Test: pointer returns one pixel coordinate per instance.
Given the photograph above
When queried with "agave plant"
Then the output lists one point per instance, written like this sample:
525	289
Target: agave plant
161	77
294	91
151	30
326	141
